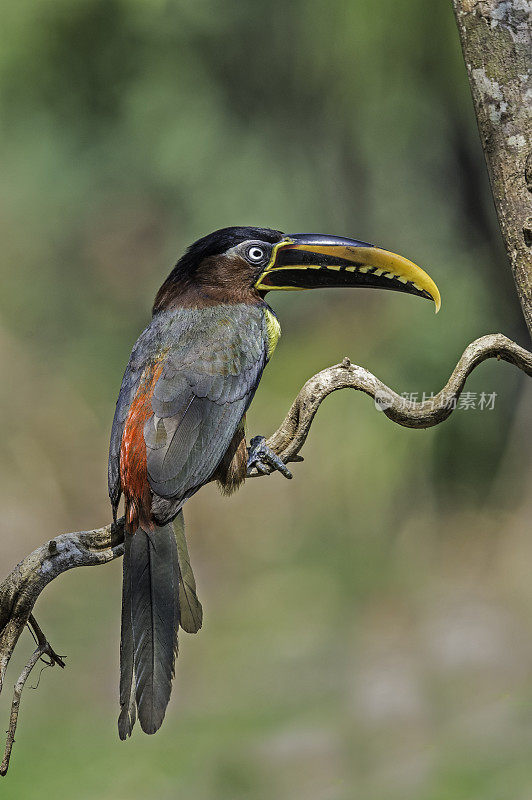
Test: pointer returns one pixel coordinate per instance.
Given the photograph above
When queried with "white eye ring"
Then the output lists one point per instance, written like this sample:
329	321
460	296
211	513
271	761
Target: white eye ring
255	253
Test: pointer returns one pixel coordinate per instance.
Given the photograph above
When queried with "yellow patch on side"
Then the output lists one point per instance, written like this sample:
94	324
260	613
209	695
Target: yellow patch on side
273	332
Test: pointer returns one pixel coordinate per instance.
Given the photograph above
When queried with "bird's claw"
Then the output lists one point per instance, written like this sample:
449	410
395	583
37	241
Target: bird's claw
262	459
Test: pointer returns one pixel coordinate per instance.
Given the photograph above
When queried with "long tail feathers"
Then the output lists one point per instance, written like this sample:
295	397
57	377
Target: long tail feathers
191	612
154	586
128	709
158	597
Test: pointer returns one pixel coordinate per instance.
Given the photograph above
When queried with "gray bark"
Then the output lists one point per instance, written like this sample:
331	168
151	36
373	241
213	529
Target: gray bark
496	43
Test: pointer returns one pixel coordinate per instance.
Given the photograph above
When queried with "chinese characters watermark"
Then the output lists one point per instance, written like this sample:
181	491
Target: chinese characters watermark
479	401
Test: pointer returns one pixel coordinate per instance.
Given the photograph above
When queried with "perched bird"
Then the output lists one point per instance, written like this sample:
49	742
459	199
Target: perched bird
179	420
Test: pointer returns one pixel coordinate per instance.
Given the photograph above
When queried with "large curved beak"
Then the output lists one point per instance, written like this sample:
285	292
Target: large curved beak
315	261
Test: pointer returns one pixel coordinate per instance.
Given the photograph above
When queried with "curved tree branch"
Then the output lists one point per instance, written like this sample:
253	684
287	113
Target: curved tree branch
21	588
290	437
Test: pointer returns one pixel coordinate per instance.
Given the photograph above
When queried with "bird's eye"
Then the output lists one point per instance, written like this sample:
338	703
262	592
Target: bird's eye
255	254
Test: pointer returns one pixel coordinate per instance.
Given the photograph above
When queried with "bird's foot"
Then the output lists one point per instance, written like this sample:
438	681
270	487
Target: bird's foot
262	459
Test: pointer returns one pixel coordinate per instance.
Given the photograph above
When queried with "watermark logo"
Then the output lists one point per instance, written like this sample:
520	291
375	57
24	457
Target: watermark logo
383	400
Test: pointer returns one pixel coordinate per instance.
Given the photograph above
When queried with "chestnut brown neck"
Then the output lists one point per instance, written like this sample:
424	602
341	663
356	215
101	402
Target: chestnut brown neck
217	280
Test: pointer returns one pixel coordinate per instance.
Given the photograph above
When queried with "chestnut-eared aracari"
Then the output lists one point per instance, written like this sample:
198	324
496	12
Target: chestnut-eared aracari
179	420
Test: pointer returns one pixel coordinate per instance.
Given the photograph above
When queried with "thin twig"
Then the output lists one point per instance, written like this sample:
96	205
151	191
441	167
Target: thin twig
17	694
43	649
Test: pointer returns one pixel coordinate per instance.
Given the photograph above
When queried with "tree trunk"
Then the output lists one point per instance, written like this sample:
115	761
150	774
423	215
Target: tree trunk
495	36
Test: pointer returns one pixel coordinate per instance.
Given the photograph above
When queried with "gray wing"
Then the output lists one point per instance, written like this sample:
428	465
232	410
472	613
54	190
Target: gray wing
148	343
211	372
129	387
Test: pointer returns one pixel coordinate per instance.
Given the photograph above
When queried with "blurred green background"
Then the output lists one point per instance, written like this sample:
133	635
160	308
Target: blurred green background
368	626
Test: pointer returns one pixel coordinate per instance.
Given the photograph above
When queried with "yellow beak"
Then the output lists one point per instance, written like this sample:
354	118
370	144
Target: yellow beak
309	261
